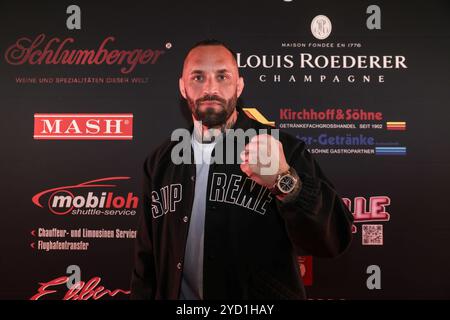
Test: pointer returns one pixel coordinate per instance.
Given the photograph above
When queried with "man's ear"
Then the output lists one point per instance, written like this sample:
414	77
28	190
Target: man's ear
182	87
240	86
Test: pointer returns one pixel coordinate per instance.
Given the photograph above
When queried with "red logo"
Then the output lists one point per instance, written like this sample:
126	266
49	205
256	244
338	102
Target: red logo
83	126
62	201
56	51
373	211
305	265
80	291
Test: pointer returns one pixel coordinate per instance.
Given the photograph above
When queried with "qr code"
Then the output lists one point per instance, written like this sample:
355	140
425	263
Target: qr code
372	234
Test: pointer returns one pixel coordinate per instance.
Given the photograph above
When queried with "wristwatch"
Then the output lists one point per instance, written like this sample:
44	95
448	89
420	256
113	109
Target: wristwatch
285	182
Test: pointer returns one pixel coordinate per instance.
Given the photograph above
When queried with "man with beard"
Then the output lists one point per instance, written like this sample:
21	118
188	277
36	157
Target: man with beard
214	230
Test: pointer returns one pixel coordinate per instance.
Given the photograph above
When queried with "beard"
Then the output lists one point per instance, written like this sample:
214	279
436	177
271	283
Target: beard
211	116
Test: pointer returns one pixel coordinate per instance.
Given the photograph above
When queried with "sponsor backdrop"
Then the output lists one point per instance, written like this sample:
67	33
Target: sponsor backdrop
88	89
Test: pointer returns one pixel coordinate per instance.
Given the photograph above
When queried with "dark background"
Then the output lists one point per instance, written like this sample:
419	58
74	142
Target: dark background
414	260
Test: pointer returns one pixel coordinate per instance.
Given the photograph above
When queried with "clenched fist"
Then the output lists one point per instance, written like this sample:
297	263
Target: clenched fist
263	160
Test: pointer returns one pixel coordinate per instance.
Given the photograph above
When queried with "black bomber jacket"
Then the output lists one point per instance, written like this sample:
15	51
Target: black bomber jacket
251	239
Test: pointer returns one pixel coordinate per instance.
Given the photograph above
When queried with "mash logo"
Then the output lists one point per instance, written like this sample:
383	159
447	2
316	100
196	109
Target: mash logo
83	126
80	291
80	199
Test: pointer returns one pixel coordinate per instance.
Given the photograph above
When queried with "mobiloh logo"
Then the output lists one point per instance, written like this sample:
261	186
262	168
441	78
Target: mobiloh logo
83	126
85	199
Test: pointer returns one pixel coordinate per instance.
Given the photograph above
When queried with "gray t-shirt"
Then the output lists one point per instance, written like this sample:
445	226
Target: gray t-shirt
192	278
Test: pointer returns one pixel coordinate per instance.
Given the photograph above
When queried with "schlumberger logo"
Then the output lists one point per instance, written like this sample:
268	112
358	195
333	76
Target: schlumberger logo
56	51
75	200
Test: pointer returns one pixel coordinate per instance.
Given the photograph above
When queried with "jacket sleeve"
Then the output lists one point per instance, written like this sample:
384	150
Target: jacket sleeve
143	278
317	220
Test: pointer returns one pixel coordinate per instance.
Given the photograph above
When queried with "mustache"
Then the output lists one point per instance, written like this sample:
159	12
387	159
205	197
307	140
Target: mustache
211	98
